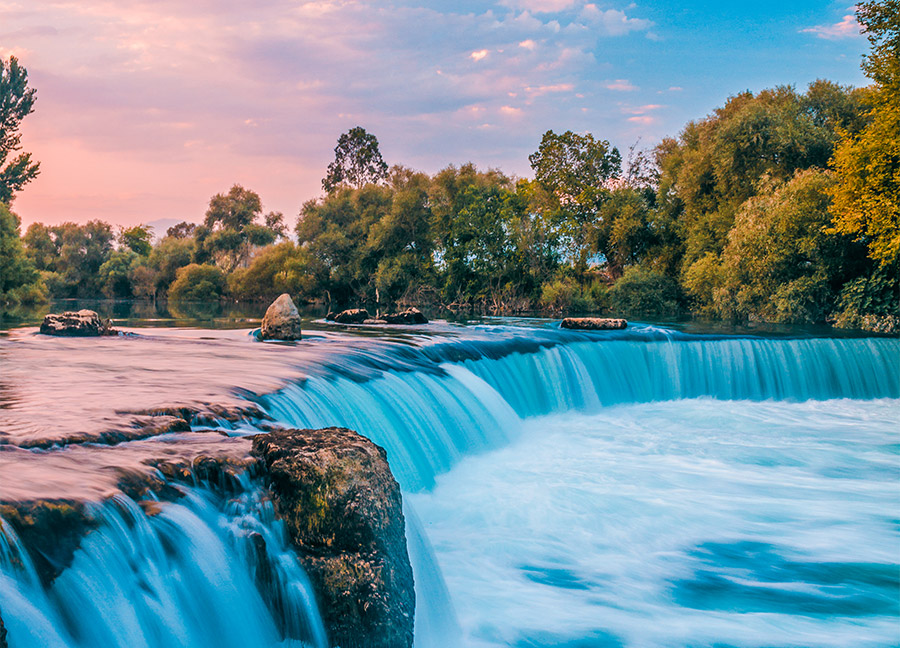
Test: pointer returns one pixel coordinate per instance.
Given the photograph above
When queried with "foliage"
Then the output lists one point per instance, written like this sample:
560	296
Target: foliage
196	282
229	232
115	274
574	171
277	269
170	254
644	291
566	295
721	161
781	262
70	256
357	161
16	103
19	280
137	239
867	194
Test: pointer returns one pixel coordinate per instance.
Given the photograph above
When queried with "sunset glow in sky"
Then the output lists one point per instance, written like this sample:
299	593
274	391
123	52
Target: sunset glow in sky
146	108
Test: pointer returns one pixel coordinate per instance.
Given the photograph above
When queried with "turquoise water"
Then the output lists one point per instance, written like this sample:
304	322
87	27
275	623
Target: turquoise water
638	488
685	523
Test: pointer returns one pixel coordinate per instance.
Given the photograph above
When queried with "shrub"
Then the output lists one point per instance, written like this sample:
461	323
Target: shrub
644	291
197	283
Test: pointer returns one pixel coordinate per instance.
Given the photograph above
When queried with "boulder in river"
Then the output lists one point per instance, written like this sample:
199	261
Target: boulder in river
409	316
83	323
281	321
342	507
593	323
352	316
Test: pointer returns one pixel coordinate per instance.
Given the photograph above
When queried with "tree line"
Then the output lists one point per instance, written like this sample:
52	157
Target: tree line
779	206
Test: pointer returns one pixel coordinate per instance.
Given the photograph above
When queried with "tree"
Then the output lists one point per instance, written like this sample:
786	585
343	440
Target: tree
867	194
781	264
182	230
197	283
19	279
137	239
574	170
16	103
229	233
357	161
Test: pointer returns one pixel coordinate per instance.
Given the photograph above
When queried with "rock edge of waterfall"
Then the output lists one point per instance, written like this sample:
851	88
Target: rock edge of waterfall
332	487
342	506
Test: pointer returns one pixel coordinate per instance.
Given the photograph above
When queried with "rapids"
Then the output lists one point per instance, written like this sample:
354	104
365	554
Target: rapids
636	488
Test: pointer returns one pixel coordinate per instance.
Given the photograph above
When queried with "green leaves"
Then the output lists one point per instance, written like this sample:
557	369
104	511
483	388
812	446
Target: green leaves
16	103
357	161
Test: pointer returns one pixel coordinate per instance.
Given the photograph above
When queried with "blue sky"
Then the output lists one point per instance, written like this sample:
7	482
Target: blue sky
146	108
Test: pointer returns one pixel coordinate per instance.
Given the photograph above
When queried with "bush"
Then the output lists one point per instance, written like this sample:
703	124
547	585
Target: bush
566	294
197	283
643	291
871	302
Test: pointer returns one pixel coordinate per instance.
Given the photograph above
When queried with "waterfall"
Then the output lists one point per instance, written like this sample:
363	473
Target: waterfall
442	401
194	573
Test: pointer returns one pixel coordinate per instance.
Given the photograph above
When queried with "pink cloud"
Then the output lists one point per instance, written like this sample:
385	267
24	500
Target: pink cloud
848	27
620	85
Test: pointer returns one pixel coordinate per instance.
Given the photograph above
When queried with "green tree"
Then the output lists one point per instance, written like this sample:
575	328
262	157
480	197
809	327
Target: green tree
137	239
167	256
781	263
230	232
277	269
16	103
335	232
357	161
19	280
115	274
574	171
197	283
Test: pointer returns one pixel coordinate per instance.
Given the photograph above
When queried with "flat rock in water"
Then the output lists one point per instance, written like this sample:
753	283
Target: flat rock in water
282	321
83	323
342	507
593	323
409	316
352	316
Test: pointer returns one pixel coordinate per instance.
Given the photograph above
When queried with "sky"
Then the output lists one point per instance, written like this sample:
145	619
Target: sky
147	108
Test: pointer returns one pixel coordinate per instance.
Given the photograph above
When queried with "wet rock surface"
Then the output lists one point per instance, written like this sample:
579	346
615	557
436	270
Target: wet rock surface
281	321
352	316
593	323
83	323
411	315
342	507
51	530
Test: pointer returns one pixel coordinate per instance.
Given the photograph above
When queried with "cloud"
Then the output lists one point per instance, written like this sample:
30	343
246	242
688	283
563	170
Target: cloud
175	101
848	27
620	85
539	6
613	22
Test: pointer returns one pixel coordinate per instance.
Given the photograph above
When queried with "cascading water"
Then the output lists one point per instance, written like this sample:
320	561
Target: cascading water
430	415
192	574
644	488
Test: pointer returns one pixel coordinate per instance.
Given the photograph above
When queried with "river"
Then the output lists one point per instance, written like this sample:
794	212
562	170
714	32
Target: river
649	487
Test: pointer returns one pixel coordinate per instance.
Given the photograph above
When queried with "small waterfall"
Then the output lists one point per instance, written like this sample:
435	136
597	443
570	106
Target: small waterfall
443	401
191	574
588	375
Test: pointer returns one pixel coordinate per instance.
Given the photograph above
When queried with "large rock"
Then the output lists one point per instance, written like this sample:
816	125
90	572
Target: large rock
352	316
593	323
83	323
342	507
409	316
282	321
